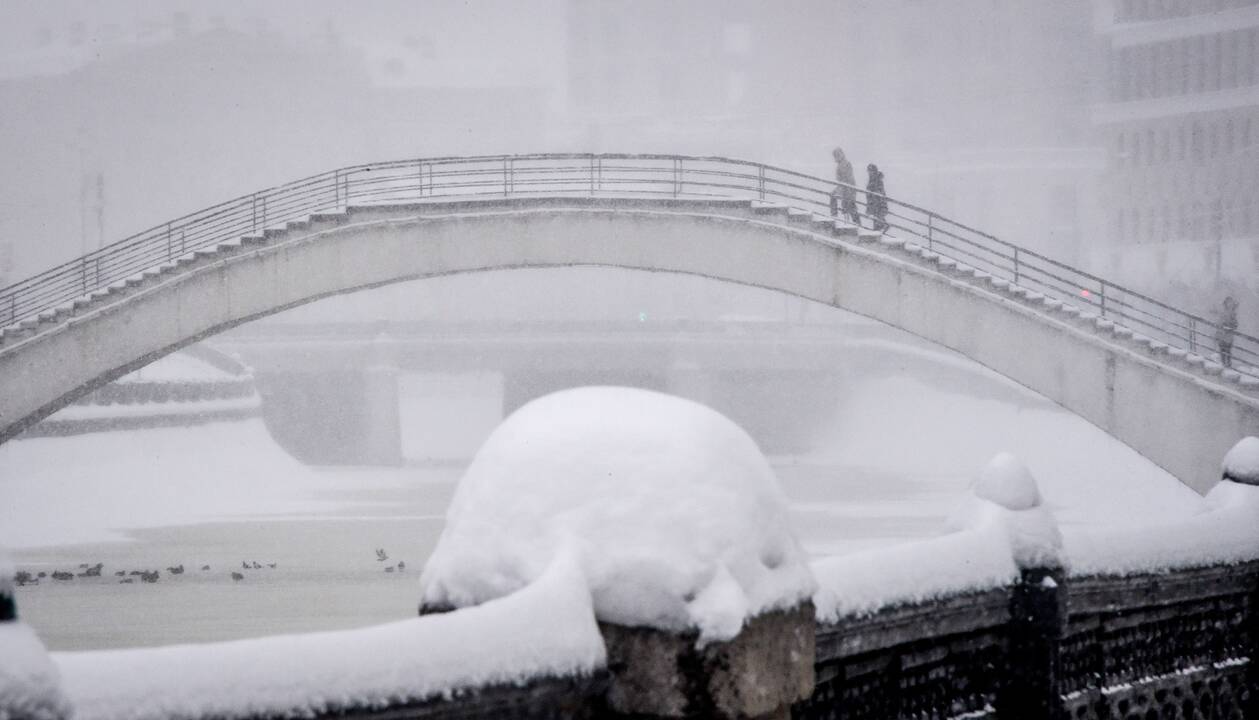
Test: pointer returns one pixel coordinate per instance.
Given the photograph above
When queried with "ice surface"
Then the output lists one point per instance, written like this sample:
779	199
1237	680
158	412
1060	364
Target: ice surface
676	515
63	490
546	629
1241	463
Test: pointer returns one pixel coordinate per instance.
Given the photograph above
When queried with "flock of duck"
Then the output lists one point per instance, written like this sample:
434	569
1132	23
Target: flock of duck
24	577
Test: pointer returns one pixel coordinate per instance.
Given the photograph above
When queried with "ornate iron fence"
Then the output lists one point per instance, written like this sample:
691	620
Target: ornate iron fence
659	176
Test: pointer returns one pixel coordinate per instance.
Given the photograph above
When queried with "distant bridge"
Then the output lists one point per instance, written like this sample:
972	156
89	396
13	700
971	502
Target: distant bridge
1136	368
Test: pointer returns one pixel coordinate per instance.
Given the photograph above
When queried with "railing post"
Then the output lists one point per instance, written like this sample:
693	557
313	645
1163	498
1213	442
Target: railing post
1038	617
760	181
506	171
677	176
1101	296
1193	331
253	212
170	247
264	213
336	190
599	171
931	217
1016	266
83	273
1251	708
592	175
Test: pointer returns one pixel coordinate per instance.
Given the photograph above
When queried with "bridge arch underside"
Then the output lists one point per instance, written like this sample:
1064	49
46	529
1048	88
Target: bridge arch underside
1176	420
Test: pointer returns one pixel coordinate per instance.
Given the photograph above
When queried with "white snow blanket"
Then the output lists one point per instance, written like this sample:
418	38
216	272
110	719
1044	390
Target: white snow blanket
547	629
1002	526
1225	531
1242	461
675	513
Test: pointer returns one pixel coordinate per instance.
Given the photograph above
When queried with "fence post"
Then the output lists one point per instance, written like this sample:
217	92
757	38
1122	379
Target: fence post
677	176
1193	340
8	602
1251	708
506	171
1038	617
1101	294
170	247
760	181
83	273
1016	266
336	190
592	175
931	217
253	212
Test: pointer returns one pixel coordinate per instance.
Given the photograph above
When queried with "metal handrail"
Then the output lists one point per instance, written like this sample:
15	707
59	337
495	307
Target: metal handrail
649	175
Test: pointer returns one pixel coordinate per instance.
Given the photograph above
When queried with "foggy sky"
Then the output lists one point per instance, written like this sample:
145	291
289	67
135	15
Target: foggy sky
119	116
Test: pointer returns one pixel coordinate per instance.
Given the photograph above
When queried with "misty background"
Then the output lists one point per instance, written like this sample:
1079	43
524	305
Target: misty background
1078	128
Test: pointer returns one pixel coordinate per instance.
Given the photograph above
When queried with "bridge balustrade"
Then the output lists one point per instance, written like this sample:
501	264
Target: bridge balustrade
605	175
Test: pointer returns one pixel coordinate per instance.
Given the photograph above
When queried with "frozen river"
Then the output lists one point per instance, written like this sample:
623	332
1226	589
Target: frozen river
896	459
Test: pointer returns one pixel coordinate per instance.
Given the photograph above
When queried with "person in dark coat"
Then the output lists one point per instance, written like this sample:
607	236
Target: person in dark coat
1226	330
876	201
844	196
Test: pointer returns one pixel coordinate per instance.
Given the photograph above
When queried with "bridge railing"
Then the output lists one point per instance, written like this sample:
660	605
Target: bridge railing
659	176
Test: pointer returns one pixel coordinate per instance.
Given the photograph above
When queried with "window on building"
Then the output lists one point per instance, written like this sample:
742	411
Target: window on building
1212	62
1229	60
1197	53
1246	57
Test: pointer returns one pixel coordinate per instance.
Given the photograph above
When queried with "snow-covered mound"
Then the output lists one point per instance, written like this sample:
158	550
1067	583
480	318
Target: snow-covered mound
1241	464
1226	531
1001	526
545	630
676	515
29	684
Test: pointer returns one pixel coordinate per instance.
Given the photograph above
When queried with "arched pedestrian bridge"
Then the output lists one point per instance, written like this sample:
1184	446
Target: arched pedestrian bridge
1138	369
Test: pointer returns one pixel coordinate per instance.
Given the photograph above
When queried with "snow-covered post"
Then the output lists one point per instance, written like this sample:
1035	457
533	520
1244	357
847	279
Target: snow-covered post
1241	465
1038	602
701	591
29	684
8	604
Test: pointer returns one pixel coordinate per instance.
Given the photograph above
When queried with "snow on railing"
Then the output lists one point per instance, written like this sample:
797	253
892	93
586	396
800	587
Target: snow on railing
657	176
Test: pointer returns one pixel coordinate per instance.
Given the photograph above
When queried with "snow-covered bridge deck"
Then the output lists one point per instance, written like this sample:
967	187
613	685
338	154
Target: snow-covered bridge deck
1110	357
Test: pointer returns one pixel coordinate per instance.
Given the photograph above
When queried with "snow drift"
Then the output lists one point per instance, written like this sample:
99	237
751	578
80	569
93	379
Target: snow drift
676	515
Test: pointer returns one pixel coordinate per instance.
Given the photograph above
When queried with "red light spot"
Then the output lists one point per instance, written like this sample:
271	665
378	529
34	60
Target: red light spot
1084	293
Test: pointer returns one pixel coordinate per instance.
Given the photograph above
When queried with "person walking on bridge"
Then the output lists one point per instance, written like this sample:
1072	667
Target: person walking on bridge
1227	329
844	196
876	201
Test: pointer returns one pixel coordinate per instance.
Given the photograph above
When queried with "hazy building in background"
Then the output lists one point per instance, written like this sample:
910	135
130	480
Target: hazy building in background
1180	120
980	110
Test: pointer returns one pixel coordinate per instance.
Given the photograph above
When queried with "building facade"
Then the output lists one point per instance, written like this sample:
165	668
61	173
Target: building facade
1180	119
